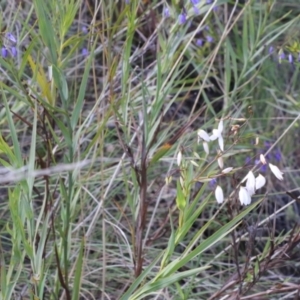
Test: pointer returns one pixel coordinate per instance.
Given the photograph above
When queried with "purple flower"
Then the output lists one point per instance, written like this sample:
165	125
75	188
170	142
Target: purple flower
291	58
209	1
271	49
277	155
212	183
182	18
167	12
194	2
216	8
209	39
4	52
13	51
196	10
84	30
299	57
84	52
248	160
282	55
263	168
199	42
11	38
267	145
126	1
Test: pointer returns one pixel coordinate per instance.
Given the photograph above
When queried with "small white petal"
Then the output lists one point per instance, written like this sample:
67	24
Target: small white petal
221	162
50	73
179	158
278	174
220	126
215	135
250	184
221	142
244	196
205	147
250	193
260	181
262	159
227	170
219	194
203	135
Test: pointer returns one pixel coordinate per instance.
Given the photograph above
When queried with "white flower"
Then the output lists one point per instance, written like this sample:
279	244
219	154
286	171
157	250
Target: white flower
217	134
205	147
250	184
260	181
278	174
221	142
262	159
203	135
179	158
227	170
220	126
219	194
244	196
220	162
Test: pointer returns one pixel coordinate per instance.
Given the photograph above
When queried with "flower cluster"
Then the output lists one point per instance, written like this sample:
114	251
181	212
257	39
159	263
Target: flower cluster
9	47
282	56
216	134
182	17
250	184
274	155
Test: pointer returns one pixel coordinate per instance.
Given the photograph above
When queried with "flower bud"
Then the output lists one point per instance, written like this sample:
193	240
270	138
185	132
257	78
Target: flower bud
179	158
260	181
227	170
244	196
278	174
219	194
4	52
262	159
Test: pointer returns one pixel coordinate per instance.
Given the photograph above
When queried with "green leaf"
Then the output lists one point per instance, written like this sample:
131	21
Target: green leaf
81	94
78	272
180	197
161	283
46	28
17	161
61	83
170	248
207	243
140	279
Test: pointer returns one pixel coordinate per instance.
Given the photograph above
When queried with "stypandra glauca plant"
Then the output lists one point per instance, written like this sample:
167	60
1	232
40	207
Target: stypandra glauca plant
210	180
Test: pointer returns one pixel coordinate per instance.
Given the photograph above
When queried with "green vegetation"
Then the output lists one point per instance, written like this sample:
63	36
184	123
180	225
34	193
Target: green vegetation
132	136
